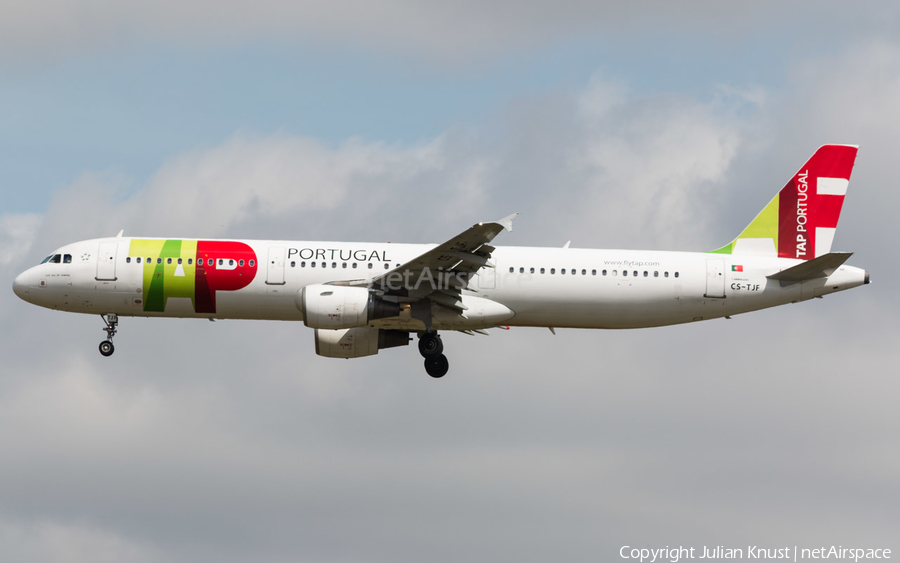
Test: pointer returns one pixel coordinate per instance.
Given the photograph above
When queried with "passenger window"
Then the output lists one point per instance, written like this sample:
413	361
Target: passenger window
552	270
370	265
231	262
240	263
179	261
584	272
676	274
293	264
542	270
138	259
387	266
521	270
190	261
128	260
645	273
532	270
665	274
656	274
624	272
67	259
563	271
635	273
615	273
312	264
56	259
574	272
252	263
324	265
159	260
303	264
512	270
343	265
168	261
149	260
354	265
334	264
604	272
210	262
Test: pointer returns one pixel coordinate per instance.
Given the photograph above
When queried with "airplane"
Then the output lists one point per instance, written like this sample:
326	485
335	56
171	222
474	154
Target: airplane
361	298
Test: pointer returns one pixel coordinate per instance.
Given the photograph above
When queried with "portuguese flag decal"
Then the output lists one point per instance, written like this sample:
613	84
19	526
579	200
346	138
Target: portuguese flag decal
737	268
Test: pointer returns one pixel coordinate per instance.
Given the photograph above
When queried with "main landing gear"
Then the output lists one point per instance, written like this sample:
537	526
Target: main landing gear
431	348
112	321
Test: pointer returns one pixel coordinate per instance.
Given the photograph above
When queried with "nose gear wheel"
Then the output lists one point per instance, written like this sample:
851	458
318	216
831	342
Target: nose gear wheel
112	321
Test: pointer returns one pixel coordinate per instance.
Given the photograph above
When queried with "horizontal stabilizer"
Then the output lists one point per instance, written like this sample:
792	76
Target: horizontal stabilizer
820	267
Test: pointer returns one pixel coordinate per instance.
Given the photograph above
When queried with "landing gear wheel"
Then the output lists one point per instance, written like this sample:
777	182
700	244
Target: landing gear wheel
430	345
111	320
437	366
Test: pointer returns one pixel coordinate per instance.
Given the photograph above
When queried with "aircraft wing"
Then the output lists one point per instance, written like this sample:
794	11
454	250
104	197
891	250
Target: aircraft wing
443	271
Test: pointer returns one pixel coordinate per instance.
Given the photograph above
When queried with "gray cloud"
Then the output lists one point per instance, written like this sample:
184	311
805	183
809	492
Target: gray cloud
464	31
17	231
232	441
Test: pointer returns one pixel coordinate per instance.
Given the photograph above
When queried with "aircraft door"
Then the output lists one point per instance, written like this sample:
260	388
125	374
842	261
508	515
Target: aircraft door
106	261
275	267
715	278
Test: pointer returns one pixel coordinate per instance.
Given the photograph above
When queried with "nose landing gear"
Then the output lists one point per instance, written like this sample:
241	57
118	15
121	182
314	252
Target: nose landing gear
112	321
431	348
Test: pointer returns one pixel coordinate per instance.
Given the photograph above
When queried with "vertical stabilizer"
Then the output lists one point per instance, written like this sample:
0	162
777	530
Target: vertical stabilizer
801	220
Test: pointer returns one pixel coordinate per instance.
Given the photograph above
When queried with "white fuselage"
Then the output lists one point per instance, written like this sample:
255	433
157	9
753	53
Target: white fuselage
546	287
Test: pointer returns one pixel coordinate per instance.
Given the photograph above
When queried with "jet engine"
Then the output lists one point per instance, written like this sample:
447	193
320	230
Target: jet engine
357	342
340	306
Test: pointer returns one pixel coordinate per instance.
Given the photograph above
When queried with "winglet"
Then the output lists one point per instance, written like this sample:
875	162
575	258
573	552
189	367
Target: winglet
507	221
122	232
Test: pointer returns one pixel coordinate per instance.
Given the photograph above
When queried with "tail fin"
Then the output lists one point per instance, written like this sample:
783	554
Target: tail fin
800	221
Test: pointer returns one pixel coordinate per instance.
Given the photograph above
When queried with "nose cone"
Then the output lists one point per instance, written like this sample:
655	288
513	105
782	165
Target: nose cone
20	286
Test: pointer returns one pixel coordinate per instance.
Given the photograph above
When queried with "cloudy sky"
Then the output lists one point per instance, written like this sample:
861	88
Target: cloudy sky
635	125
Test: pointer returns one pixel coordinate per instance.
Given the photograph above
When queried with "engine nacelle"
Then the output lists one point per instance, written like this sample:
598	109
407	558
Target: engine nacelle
357	342
341	306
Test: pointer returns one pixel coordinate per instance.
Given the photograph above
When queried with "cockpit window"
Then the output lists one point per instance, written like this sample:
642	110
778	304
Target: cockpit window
67	259
56	258
47	259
